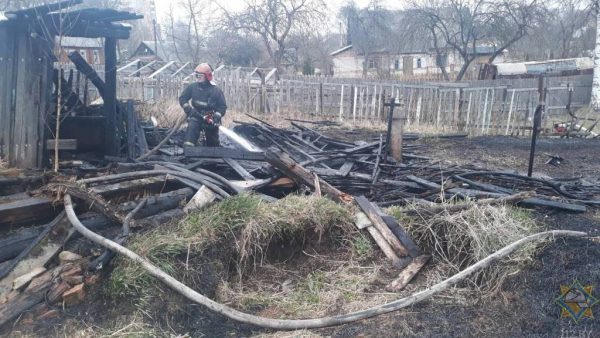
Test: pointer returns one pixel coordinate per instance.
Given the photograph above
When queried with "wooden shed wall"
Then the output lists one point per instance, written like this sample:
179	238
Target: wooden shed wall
25	91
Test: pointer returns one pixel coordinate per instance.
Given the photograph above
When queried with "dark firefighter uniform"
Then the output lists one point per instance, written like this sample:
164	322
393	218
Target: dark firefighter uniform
199	101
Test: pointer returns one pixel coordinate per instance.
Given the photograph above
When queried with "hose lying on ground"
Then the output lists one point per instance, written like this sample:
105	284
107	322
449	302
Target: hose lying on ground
155	149
197	177
295	324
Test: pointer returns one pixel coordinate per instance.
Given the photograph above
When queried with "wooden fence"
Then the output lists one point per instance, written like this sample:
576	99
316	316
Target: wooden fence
479	107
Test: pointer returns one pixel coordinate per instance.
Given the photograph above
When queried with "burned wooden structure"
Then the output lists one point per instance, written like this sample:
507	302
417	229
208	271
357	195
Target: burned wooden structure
163	187
29	85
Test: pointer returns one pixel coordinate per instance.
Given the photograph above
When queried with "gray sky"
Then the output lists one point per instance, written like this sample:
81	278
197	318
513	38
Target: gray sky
162	7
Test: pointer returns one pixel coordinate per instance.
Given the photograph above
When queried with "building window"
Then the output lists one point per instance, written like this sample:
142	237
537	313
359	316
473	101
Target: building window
419	63
372	64
397	64
96	57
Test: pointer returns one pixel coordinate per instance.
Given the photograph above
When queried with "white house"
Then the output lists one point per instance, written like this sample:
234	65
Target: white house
348	62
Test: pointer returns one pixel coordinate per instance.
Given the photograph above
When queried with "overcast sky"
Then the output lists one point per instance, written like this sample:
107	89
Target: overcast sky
162	6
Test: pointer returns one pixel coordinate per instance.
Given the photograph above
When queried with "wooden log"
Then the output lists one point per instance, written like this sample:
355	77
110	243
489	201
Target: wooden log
31	245
380	225
288	166
403	237
160	203
33	295
138	186
55	293
75	295
408	273
201	199
27	211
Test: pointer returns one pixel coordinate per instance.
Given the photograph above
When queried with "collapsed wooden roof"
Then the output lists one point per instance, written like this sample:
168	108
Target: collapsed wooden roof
61	19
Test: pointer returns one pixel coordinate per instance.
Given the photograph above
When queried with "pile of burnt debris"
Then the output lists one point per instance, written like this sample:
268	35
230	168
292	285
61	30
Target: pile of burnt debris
38	266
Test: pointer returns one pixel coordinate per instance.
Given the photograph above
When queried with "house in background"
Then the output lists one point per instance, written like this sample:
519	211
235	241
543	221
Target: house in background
150	51
92	50
351	63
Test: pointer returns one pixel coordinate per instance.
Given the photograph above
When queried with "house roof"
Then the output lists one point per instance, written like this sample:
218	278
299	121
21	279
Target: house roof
341	50
68	41
165	52
85	22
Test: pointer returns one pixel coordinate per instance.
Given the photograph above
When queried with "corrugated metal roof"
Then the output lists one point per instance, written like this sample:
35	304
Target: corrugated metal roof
545	67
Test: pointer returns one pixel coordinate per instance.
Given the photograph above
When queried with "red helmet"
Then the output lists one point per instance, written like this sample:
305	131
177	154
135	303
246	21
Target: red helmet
206	69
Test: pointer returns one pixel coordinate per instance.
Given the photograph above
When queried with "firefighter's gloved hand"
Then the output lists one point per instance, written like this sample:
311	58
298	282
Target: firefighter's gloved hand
188	109
217	119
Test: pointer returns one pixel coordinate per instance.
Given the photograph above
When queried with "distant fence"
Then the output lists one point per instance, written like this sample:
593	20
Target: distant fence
480	107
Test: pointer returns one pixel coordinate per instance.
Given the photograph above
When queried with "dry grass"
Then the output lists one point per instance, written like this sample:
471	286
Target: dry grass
299	290
3	164
129	326
289	334
166	112
240	229
460	239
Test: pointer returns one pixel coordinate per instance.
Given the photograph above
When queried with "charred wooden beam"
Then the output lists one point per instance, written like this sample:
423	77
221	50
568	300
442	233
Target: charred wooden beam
219	152
12	245
288	166
139	186
235	165
89	72
27	211
382	226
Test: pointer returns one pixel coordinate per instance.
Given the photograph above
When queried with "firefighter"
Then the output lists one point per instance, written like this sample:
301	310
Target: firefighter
204	104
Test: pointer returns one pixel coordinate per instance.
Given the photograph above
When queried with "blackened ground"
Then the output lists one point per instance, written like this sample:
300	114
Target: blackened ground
524	307
581	156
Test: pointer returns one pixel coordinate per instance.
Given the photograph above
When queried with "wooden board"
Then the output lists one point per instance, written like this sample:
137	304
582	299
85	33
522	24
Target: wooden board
220	152
380	224
63	144
239	169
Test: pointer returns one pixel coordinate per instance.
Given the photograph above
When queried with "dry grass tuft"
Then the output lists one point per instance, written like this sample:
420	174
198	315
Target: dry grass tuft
461	239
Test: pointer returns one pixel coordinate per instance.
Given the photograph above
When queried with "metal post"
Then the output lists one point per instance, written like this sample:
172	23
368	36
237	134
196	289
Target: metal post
537	121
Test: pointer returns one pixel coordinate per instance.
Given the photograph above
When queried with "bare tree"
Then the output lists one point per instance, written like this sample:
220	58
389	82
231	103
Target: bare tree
465	25
274	20
188	32
570	16
369	29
